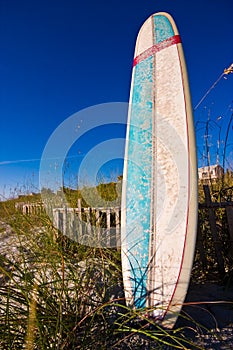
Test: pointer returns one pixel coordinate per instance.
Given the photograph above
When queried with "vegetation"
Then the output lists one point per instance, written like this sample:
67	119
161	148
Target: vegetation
58	294
221	190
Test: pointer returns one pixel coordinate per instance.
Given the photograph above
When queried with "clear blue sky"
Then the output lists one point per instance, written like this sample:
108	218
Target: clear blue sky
60	56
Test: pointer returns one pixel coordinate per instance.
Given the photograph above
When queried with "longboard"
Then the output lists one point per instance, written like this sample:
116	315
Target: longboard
159	194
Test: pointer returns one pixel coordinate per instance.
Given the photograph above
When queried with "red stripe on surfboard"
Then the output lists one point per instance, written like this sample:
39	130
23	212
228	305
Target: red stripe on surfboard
157	47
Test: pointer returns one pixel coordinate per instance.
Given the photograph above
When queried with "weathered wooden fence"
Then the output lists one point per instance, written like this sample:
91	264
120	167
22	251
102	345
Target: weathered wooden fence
30	208
100	225
215	229
104	224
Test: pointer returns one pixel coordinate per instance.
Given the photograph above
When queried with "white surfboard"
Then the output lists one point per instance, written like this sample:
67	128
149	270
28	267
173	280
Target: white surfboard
159	197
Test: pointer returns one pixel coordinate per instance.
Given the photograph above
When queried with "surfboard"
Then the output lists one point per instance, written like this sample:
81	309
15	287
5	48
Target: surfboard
159	191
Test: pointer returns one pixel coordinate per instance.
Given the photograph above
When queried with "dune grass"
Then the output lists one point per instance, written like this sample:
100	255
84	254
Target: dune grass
58	294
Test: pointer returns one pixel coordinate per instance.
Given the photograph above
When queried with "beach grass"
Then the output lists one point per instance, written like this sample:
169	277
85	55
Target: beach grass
59	294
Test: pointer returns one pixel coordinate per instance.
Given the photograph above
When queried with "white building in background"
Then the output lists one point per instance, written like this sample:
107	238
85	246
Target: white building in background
211	172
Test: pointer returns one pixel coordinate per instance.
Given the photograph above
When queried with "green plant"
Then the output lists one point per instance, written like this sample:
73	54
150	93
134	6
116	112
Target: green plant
58	294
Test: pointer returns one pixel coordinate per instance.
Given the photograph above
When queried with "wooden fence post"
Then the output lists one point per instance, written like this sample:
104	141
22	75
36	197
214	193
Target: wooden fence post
88	214
64	215
108	224
118	228
214	231
200	245
79	219
229	211
58	219
98	226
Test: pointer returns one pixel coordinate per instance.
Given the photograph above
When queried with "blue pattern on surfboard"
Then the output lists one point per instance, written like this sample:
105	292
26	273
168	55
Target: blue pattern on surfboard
163	28
139	179
139	174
